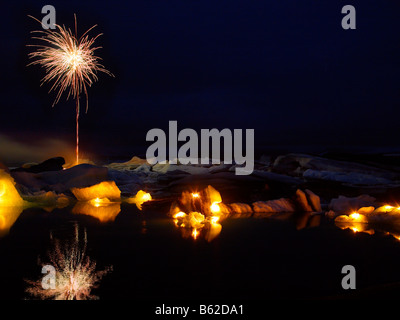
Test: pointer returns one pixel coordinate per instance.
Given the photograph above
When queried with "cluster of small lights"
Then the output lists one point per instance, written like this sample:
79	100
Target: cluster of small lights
196	220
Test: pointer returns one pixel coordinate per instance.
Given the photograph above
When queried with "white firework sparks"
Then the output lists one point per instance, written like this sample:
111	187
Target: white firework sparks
69	62
76	273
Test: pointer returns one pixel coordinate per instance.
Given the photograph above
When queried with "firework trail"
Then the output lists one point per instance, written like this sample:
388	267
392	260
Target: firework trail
70	64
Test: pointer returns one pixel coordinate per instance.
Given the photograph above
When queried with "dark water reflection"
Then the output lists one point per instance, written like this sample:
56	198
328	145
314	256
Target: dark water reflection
297	256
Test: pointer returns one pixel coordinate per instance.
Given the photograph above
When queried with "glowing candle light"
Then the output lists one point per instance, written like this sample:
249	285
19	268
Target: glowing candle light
179	215
215	208
355	216
96	202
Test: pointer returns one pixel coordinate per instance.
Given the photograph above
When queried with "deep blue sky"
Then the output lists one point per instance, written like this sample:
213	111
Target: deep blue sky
285	68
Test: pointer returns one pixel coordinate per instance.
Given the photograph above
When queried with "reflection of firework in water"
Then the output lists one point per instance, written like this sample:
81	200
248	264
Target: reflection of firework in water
69	62
76	273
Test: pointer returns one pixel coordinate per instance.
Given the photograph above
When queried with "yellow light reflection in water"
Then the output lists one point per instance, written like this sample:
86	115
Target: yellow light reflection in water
355	217
101	209
195	233
355	227
8	216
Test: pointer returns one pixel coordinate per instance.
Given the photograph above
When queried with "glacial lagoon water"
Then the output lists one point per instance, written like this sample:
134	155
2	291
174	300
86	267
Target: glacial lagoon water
287	257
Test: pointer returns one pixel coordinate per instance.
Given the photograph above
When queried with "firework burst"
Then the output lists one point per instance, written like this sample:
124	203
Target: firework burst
70	64
76	273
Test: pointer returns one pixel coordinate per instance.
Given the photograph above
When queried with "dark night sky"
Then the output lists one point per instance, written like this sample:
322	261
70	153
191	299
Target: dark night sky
285	68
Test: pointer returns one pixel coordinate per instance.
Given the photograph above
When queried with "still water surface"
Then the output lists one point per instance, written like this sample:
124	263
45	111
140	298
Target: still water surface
250	259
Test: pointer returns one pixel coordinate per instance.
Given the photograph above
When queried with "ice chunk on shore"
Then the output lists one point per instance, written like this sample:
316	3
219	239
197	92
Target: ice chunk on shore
366	211
352	178
191	169
346	205
296	164
105	189
132	164
274	206
83	175
53	164
276	177
11	203
314	201
9	196
302	202
219	168
48	200
240	208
